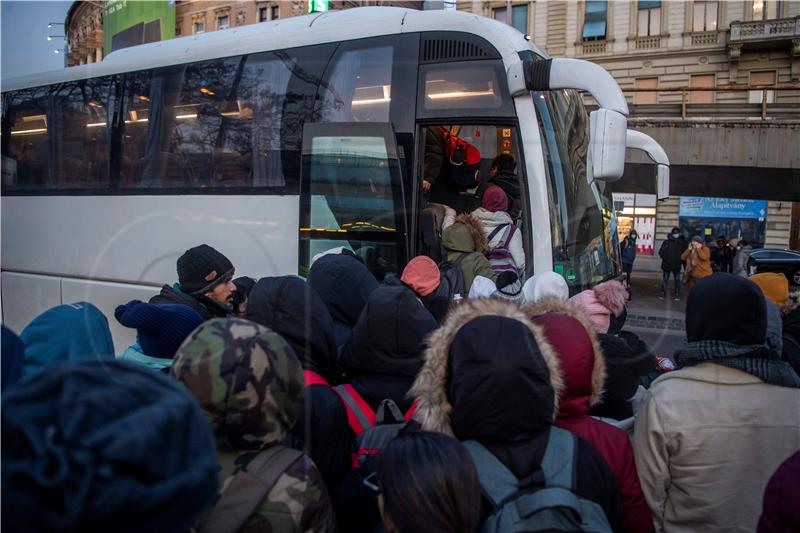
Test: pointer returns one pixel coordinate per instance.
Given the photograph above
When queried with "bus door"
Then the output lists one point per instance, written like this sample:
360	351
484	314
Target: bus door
491	140
351	195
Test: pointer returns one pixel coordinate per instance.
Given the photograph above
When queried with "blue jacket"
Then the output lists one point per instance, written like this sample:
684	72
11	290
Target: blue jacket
66	333
134	354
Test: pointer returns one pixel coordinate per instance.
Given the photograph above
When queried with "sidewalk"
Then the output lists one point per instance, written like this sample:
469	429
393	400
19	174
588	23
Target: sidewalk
646	310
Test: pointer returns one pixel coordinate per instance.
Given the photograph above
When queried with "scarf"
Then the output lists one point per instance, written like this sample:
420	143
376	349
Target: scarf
756	360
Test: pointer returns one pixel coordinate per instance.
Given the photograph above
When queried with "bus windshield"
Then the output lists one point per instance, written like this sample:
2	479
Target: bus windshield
581	222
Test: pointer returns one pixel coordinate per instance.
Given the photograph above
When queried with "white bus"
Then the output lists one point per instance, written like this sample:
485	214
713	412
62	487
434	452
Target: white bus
275	141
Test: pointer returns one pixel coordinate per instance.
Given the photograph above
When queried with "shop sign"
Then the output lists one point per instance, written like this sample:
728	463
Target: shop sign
696	206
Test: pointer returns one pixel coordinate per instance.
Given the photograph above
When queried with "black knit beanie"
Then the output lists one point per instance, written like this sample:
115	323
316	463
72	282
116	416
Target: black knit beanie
202	268
728	308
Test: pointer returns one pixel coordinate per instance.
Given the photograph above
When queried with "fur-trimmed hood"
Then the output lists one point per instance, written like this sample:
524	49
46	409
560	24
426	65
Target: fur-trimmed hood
579	352
465	235
505	408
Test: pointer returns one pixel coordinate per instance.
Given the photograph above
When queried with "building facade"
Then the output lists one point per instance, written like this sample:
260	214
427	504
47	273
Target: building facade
84	23
715	82
84	33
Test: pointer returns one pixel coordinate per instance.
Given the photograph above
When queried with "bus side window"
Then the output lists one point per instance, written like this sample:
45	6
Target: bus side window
79	121
25	138
359	88
134	125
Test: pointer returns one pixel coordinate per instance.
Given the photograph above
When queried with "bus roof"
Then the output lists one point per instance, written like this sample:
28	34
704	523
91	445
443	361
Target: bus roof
318	28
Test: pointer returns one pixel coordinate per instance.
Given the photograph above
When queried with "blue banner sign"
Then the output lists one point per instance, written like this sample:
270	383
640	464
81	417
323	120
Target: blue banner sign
697	206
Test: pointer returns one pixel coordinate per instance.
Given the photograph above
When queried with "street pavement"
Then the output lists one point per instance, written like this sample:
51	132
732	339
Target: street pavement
660	323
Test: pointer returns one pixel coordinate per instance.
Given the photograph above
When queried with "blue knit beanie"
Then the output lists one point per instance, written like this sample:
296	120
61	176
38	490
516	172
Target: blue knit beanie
104	446
160	328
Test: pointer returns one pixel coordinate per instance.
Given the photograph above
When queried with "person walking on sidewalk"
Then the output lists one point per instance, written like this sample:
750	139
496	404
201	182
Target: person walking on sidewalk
698	262
671	263
627	250
743	251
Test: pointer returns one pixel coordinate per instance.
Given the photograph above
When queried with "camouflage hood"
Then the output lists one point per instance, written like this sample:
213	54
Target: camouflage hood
246	378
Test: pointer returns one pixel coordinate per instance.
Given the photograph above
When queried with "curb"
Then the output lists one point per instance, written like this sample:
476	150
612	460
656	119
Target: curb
655	322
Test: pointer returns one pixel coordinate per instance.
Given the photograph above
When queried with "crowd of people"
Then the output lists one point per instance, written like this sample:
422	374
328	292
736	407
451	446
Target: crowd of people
338	402
687	262
456	397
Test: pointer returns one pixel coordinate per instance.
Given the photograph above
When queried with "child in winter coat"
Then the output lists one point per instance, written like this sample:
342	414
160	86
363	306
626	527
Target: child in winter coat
545	285
497	225
465	238
160	330
584	367
422	275
627	358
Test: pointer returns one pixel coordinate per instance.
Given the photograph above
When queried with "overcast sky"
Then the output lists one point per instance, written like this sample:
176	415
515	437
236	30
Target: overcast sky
24	46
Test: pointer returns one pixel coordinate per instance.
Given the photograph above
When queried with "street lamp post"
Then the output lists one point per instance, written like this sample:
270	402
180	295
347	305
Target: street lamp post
58	51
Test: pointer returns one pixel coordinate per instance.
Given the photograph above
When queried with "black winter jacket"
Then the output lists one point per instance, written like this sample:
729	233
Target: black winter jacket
670	254
344	284
383	356
791	339
205	307
443	190
290	307
501	396
629	363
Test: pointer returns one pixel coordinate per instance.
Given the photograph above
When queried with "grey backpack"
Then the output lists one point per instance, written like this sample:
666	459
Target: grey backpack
549	503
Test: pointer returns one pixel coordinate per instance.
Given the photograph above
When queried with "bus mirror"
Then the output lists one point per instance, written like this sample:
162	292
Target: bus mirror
607	135
662	182
563	73
641	141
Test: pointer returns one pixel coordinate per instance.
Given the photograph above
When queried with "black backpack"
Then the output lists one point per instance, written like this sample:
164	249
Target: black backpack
374	430
452	279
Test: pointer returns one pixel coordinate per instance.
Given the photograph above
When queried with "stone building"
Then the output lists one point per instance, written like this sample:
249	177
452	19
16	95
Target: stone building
84	31
198	16
84	23
729	141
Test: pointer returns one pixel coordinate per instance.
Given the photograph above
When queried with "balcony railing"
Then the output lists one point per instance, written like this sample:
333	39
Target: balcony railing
593	47
765	107
648	43
705	38
765	30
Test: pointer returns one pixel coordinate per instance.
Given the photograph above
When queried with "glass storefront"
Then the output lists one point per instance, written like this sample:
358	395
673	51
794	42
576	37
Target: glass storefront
637	211
728	217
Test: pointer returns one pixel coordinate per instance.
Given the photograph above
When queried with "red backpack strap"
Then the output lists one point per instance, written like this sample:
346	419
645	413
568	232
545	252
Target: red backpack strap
411	410
312	378
360	415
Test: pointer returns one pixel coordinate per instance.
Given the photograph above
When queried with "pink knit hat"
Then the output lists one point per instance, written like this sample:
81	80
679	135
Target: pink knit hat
494	199
422	275
599	303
